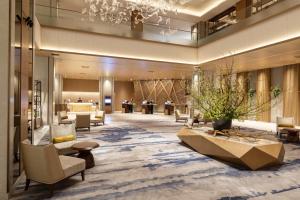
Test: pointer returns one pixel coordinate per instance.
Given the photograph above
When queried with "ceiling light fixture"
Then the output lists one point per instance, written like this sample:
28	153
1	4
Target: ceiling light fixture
121	11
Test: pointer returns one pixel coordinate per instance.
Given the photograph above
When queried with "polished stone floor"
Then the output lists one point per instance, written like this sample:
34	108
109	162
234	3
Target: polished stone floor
140	158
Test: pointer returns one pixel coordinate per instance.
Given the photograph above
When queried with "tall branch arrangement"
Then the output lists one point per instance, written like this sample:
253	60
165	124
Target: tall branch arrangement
221	96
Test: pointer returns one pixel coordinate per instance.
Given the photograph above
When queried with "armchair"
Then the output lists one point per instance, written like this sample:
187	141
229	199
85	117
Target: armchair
99	118
198	118
43	164
83	121
179	116
282	123
63	118
64	148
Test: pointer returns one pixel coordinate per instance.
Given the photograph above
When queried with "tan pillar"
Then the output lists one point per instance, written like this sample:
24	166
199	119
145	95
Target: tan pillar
242	79
291	92
263	87
7	24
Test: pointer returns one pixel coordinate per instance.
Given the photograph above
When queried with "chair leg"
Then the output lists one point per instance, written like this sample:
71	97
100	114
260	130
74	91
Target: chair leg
51	189
27	184
82	175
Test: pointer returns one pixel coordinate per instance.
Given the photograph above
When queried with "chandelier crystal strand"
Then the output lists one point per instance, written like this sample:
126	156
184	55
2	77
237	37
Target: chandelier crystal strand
119	11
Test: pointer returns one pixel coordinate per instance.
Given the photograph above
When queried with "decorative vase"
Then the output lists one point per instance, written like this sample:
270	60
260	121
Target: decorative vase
222	124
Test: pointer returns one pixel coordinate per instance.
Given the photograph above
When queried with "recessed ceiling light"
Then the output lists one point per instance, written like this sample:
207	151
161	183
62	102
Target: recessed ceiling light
85	66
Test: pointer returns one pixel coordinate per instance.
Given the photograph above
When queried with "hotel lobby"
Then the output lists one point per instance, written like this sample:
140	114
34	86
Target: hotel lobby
150	99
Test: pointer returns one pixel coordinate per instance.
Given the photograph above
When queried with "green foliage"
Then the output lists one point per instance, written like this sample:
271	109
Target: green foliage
223	96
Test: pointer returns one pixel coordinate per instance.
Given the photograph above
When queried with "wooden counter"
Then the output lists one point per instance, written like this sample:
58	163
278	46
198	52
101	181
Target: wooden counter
148	108
127	107
81	107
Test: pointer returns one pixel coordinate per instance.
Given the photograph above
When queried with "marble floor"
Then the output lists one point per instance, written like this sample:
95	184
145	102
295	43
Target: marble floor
140	158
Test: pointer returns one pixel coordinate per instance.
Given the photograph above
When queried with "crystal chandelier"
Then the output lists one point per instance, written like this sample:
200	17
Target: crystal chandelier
155	12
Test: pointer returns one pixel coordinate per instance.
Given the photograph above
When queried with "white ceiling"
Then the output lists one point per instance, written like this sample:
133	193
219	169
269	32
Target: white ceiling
92	67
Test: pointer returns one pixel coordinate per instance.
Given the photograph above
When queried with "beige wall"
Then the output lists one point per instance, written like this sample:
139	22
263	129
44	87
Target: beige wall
262	34
123	90
96	44
273	30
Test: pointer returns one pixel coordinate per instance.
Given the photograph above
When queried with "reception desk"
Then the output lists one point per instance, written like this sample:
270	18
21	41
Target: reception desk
81	107
148	108
127	107
169	109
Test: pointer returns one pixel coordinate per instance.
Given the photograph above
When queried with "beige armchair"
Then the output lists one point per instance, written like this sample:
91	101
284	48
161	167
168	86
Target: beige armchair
99	118
180	117
63	118
282	123
64	148
42	164
198	118
83	121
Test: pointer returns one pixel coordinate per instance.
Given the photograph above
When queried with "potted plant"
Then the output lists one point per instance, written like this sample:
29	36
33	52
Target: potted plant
221	97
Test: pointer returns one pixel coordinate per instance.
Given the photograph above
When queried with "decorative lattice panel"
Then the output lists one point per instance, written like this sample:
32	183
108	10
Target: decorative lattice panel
160	91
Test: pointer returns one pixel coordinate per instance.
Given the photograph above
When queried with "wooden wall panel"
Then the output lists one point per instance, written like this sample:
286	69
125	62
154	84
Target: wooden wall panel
291	92
263	87
80	85
123	90
160	91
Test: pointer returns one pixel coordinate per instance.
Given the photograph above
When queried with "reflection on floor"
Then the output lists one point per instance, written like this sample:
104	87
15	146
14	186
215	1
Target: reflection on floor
140	157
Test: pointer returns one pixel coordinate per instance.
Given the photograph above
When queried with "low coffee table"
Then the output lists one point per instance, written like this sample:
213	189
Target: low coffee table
292	134
84	149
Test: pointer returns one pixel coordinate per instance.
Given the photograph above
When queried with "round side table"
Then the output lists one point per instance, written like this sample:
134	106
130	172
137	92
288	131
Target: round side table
84	149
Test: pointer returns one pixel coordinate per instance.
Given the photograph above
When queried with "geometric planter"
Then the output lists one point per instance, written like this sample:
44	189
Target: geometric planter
252	154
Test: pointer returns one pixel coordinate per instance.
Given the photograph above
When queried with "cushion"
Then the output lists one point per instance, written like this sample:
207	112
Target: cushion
286	125
99	114
96	120
64	117
65	148
71	165
64	138
62	130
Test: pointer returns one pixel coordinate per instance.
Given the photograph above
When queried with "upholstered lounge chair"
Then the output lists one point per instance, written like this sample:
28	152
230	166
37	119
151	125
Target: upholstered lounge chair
180	117
198	118
282	123
99	118
83	121
63	118
64	148
43	164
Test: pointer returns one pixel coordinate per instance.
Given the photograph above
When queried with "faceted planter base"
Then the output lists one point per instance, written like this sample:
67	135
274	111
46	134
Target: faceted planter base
254	155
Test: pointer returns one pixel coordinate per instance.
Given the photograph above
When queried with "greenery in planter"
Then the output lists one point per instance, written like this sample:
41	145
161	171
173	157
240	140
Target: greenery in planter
222	96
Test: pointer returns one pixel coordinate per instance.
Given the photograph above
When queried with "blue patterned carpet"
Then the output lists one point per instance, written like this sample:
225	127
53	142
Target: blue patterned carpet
141	158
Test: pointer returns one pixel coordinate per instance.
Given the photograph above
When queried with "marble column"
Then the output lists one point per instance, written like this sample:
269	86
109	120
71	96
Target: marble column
263	87
291	92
